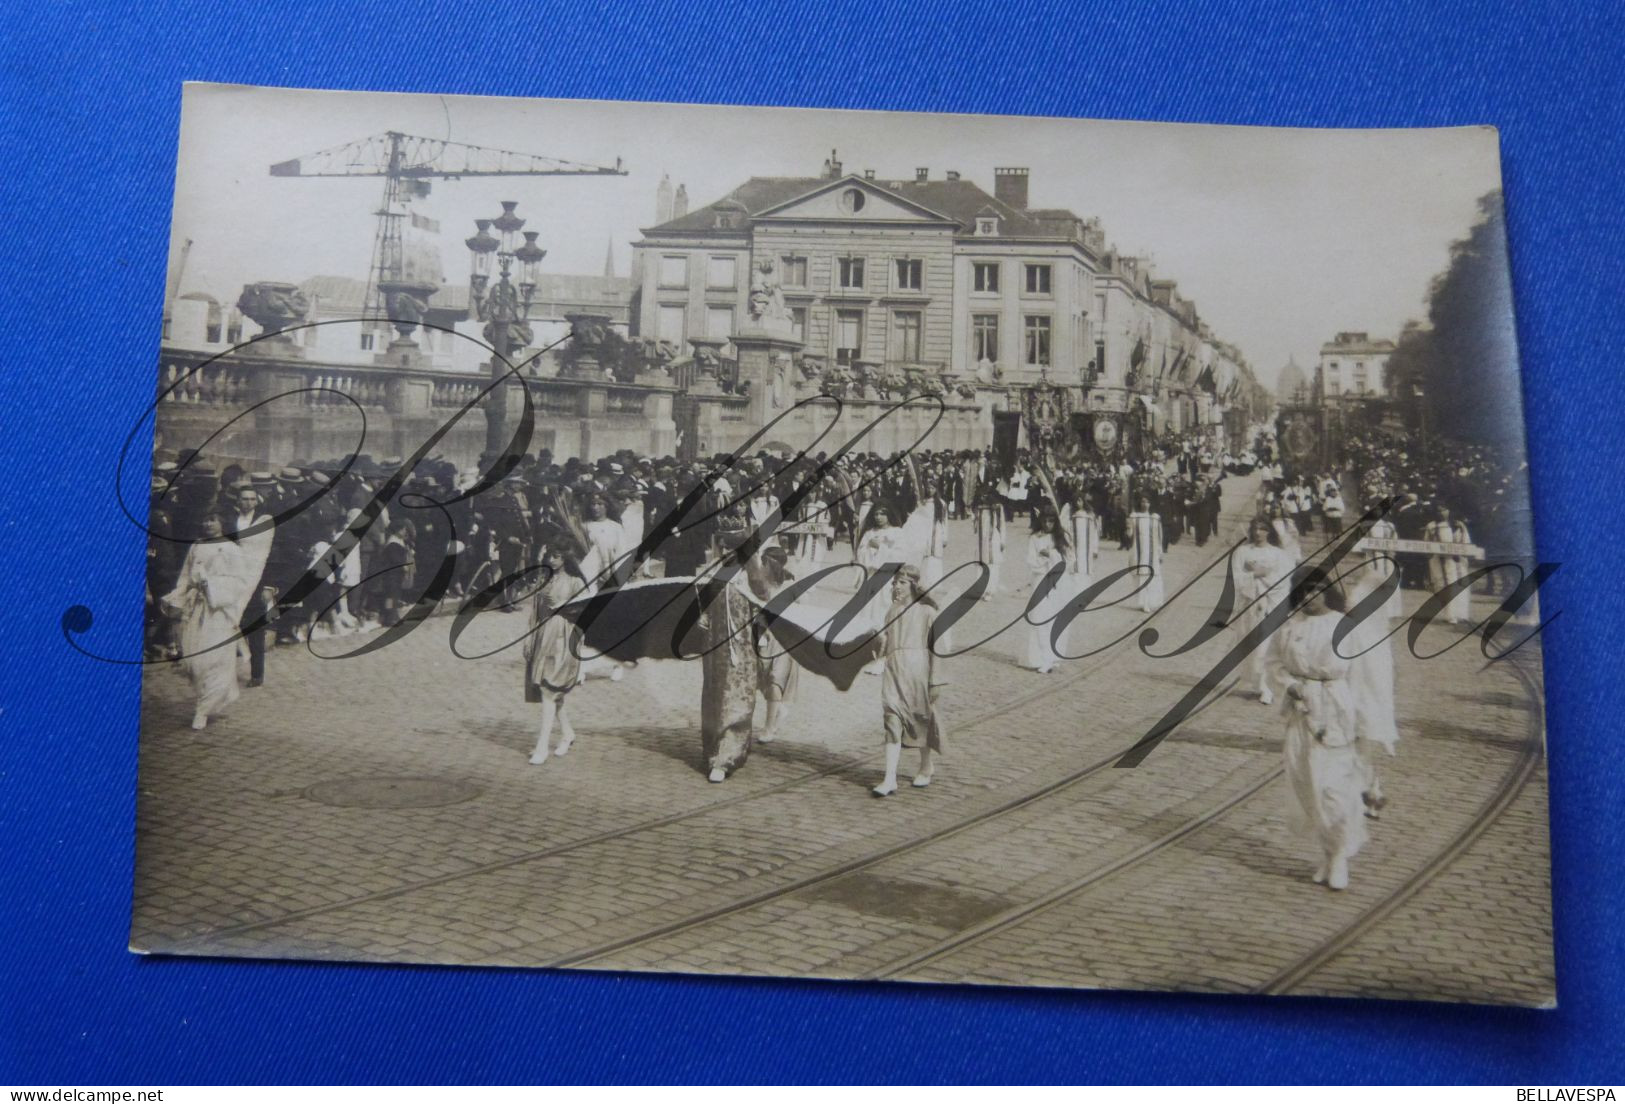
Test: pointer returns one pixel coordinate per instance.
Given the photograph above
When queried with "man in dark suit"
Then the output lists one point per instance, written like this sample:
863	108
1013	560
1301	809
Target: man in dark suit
254	532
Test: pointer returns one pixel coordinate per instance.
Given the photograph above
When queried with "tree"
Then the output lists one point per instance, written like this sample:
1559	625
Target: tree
1467	358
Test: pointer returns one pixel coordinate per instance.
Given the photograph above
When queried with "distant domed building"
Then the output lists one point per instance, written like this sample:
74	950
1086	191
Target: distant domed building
1291	379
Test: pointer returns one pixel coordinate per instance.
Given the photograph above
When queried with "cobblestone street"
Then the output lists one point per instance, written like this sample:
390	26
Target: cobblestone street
381	807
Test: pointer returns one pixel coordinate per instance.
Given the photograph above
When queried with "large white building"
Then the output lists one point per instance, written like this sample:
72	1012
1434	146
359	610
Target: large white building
1352	364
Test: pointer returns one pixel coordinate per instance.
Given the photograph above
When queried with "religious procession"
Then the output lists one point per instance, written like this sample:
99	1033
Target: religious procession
635	559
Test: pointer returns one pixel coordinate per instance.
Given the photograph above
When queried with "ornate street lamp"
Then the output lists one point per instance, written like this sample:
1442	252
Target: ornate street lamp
502	306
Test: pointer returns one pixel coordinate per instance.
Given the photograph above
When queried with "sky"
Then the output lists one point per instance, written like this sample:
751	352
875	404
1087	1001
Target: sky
1282	237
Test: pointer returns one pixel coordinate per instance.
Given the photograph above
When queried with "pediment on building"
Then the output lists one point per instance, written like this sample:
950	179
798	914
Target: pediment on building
854	198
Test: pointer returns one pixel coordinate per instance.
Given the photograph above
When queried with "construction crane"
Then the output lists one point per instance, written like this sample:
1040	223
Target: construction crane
408	163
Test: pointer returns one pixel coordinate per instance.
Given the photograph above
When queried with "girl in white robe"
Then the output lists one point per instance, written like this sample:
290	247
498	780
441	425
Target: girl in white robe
1082	530
1384	566
990	541
1323	772
927	542
1259	565
881	545
208	601
1145	534
1371	685
1445	570
1045	552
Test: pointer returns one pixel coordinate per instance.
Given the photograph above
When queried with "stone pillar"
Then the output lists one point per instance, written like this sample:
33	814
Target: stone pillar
767	364
657	413
593	405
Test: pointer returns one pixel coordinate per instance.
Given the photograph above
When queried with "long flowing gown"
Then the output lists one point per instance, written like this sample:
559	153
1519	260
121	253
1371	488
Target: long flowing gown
216	581
912	671
1145	530
1323	771
876	549
729	677
1386	566
990	542
1445	570
1258	569
1371	678
1083	529
926	543
1037	650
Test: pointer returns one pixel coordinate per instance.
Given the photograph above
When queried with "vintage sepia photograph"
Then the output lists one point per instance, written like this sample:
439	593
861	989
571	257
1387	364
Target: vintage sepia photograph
840	544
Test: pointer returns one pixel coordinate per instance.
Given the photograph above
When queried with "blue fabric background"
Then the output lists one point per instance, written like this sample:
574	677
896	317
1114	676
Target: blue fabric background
89	116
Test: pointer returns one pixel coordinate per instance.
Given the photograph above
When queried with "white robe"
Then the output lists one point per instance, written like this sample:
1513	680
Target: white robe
606	541
1323	771
1445	570
876	549
990	542
1037	649
1146	532
1259	570
1371	676
215	584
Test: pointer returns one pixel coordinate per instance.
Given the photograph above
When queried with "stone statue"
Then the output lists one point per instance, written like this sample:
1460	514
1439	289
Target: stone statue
835	381
273	306
766	297
589	329
889	381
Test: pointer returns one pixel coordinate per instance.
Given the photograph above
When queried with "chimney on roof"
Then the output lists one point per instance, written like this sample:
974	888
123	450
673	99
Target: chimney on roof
868	174
952	174
663	200
832	165
921	175
679	204
1010	186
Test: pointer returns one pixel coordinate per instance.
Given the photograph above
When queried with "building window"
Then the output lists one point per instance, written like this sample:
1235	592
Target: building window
1038	279
1359	379
1100	357
984	337
673	271
719	323
669	325
910	275
1038	340
721	273
1100	309
905	336
985	276
234	332
798	323
848	336
852	200
849	272
794	272
987	227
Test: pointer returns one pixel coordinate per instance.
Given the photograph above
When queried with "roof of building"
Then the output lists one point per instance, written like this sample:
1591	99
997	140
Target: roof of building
1352	344
958	200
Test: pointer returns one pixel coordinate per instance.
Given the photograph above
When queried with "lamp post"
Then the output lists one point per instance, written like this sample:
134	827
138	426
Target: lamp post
502	306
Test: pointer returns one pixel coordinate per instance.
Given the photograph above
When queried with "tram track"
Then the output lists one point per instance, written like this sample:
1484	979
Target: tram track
850	765
844	766
1289	978
585	956
1523	767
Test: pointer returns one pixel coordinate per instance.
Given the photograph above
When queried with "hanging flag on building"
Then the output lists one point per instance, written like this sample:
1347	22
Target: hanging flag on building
425	223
